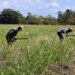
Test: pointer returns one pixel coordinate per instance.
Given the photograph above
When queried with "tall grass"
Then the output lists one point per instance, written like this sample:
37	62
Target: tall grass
32	55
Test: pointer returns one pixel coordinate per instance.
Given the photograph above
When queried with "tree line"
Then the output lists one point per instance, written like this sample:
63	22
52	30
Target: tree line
10	16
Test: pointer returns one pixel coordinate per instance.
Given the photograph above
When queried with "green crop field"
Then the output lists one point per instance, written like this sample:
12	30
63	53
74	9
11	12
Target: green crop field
41	54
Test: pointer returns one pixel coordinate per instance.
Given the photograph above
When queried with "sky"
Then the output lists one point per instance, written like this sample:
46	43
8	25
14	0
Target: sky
39	7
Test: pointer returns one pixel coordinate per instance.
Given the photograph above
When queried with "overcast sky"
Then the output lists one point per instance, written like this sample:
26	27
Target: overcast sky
39	7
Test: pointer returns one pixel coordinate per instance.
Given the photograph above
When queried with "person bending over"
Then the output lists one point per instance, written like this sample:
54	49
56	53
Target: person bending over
63	31
11	35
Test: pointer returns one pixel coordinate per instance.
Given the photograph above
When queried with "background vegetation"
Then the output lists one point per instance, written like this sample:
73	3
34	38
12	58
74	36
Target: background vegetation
10	16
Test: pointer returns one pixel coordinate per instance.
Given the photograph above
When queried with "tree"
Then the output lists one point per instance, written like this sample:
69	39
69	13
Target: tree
10	16
71	19
32	19
60	17
67	15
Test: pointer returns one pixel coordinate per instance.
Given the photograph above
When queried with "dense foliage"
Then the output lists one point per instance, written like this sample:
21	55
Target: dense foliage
67	17
10	16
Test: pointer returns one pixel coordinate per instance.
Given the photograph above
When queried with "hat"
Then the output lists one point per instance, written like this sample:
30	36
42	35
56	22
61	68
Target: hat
19	28
70	30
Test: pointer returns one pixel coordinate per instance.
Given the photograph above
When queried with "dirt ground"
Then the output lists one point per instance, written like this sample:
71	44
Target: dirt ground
60	70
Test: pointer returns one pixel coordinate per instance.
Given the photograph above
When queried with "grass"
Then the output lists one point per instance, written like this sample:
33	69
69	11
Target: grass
31	56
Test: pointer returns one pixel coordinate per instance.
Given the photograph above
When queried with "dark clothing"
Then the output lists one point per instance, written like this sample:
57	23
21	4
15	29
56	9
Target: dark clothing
10	36
64	30
61	32
60	35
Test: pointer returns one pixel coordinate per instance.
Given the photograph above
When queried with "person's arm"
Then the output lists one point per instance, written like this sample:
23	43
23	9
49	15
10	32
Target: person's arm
14	38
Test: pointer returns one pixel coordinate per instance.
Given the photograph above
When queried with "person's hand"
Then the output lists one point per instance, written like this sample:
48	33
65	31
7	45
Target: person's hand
15	39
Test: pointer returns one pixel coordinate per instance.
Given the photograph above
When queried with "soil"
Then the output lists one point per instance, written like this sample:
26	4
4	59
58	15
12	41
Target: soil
60	70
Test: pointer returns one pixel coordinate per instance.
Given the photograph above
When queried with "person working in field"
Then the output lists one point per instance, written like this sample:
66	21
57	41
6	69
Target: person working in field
11	35
63	31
